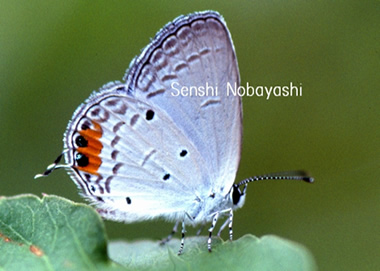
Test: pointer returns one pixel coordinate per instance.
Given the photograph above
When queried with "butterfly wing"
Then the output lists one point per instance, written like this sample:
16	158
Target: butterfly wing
196	54
137	151
120	156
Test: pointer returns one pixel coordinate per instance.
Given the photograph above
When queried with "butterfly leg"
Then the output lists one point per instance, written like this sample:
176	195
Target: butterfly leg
200	229
182	238
222	227
170	236
229	222
213	223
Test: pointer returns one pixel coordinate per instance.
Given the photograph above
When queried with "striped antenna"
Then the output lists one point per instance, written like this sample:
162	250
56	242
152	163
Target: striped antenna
291	175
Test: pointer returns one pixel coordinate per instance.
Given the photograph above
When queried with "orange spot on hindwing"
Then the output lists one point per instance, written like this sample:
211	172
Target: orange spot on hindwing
87	153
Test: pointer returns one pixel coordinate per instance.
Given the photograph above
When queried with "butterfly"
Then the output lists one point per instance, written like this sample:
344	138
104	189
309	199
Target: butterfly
166	141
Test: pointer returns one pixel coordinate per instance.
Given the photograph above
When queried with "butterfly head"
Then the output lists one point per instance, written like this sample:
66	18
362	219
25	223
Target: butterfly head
237	196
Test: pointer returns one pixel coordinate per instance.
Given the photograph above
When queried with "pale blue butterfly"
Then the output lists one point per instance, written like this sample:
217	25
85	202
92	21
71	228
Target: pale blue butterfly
167	141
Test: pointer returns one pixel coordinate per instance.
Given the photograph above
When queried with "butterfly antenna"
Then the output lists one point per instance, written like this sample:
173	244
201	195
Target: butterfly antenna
299	176
52	167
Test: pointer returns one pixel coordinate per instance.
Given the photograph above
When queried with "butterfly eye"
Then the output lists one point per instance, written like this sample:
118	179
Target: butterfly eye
236	195
149	115
128	199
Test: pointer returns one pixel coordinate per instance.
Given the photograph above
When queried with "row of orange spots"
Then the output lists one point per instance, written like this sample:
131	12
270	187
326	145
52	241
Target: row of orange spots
93	148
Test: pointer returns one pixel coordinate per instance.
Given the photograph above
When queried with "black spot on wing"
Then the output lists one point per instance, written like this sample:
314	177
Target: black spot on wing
149	114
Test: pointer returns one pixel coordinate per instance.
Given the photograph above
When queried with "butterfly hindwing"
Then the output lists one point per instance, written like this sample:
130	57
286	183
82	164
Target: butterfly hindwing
128	156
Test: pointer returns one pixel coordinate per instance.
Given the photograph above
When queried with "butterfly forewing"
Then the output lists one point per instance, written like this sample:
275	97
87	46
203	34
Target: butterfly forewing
196	54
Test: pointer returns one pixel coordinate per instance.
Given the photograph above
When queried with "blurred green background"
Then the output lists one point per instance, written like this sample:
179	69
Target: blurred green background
53	54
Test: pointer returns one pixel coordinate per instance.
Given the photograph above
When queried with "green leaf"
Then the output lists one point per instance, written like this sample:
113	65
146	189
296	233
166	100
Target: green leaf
247	253
51	233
